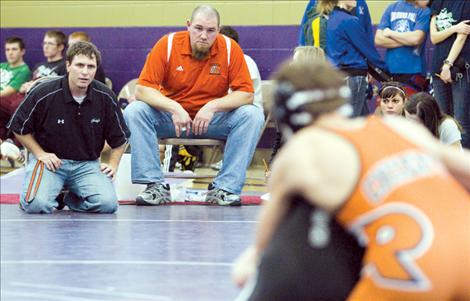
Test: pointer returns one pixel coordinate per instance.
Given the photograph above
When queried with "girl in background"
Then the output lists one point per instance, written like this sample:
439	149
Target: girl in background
423	108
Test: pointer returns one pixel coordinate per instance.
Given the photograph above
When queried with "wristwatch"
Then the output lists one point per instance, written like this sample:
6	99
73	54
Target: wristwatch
447	62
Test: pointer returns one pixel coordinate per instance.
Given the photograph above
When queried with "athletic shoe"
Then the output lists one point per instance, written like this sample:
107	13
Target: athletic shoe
221	197
154	194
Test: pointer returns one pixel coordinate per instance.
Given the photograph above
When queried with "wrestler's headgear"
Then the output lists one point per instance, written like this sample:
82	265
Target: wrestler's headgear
293	110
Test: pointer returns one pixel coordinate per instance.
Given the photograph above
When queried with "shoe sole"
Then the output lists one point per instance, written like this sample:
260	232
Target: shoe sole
219	202
139	201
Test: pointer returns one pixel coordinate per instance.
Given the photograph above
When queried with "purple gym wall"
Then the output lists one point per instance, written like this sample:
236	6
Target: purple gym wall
124	49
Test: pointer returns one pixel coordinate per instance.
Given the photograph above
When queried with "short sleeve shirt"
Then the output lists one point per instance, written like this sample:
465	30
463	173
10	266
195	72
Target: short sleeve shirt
13	76
448	13
194	83
66	128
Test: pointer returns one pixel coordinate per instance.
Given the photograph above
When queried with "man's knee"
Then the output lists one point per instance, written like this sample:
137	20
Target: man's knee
135	110
106	203
251	113
38	205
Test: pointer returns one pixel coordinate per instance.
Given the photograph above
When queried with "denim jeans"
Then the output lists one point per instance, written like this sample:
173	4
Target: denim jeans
240	128
358	85
94	191
454	100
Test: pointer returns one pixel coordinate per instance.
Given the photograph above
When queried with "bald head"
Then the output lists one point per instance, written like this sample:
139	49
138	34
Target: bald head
206	11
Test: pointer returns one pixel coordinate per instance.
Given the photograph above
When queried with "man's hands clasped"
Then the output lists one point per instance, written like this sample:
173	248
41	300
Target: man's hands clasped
198	126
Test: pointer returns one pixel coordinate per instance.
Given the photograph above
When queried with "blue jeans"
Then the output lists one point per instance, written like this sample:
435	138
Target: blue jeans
94	191
240	128
358	85
454	100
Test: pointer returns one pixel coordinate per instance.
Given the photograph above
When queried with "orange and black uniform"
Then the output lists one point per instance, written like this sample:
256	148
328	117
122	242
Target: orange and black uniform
413	218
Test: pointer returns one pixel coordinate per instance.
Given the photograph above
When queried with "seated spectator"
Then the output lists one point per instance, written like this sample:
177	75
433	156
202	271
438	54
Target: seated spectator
83	36
65	147
183	91
53	46
392	99
14	72
423	108
402	31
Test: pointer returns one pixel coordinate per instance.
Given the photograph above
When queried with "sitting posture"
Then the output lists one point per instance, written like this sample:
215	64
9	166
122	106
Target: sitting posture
183	90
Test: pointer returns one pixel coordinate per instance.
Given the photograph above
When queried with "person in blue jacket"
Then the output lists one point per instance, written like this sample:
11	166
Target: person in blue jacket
361	12
351	49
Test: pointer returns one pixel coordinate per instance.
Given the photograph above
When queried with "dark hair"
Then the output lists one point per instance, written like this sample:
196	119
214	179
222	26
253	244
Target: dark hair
85	48
18	40
391	89
59	36
230	32
426	108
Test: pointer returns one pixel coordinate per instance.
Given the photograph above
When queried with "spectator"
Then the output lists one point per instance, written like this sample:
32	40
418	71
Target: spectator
14	72
385	180
450	27
53	46
423	108
402	31
83	36
350	49
64	123
311	11
182	90
392	99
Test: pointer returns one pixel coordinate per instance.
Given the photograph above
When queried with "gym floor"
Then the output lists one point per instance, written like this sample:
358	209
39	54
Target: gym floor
179	253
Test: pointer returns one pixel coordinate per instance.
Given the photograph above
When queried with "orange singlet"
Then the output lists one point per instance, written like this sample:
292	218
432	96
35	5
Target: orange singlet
413	218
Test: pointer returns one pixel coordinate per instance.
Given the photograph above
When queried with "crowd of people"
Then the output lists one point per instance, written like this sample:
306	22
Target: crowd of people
347	194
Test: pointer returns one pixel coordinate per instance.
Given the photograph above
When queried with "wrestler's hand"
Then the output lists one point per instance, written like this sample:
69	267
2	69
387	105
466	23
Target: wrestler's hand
182	121
203	118
51	161
245	266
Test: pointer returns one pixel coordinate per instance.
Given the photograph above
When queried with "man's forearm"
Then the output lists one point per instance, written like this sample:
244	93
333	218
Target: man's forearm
456	48
411	38
439	36
30	143
7	91
116	155
156	99
382	41
232	101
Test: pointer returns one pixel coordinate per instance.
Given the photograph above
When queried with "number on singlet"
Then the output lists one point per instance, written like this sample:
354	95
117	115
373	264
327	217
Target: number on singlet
396	235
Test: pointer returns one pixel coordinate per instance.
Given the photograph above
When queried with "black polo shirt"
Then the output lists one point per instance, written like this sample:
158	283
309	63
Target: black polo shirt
70	130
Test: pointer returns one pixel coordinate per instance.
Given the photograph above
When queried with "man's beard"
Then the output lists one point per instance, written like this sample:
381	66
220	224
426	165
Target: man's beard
200	52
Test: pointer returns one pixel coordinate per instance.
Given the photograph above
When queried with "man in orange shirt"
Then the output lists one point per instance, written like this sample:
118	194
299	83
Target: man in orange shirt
182	91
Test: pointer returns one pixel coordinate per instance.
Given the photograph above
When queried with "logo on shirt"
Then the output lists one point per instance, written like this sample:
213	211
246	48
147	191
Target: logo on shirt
179	68
361	10
60	121
215	69
95	120
5	78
